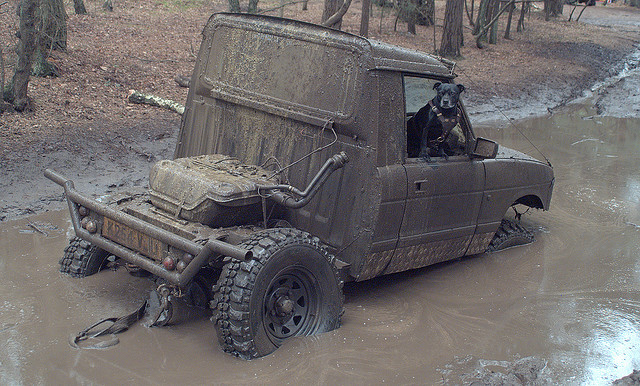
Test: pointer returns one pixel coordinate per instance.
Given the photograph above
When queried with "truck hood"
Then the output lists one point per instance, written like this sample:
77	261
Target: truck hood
508	153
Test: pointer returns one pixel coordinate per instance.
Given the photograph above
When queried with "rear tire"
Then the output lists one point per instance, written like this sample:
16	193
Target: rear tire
510	234
290	288
81	258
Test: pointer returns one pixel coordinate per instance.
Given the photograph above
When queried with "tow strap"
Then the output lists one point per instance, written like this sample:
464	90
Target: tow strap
152	307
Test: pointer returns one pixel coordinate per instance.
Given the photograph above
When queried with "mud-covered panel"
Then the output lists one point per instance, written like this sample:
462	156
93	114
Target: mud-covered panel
479	243
422	255
211	189
509	179
284	68
342	208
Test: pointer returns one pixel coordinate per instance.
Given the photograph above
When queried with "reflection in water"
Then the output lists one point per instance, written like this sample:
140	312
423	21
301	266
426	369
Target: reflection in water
569	301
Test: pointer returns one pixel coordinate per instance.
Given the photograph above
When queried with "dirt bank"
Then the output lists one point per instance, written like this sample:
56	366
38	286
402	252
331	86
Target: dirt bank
82	124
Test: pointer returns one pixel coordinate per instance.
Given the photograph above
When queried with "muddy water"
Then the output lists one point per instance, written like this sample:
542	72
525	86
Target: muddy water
571	299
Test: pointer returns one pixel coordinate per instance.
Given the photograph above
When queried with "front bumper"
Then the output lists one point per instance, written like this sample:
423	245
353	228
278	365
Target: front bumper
201	252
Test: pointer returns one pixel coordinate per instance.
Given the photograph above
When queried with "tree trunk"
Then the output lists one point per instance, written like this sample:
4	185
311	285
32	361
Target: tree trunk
331	7
556	7
452	33
547	10
25	48
53	25
481	19
2	96
469	13
507	30
234	5
523	12
41	66
335	20
253	6
484	29
79	8
364	18
413	12
493	35
426	12
412	16
51	35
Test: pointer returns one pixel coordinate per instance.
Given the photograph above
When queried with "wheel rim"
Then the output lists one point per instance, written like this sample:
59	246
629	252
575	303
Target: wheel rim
289	304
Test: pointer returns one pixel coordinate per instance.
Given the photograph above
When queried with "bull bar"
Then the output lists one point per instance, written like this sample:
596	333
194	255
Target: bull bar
201	253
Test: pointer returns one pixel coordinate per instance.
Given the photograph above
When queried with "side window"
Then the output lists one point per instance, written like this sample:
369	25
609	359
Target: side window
417	92
444	135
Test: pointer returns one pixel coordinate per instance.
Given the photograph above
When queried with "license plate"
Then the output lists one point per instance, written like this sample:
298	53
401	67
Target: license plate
132	239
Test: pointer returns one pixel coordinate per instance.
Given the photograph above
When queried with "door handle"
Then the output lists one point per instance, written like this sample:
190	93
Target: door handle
421	185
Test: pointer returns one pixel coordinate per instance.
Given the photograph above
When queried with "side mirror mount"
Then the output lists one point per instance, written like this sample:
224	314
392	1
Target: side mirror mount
485	148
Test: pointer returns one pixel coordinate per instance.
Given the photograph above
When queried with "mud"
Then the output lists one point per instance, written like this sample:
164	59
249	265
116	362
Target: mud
99	163
563	310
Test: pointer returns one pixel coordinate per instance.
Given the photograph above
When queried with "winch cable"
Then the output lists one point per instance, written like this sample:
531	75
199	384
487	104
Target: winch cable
474	84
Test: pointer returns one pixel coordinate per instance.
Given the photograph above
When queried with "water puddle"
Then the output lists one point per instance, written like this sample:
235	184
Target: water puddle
566	307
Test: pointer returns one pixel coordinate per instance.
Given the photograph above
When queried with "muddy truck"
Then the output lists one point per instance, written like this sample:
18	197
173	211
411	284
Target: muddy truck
293	173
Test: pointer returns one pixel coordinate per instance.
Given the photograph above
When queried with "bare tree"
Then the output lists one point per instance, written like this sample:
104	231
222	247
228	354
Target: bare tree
252	6
51	35
26	47
2	67
452	34
483	30
507	29
364	18
414	12
79	8
523	11
552	8
333	12
482	16
469	12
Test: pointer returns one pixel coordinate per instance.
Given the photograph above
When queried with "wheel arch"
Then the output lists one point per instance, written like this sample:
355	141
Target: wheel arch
530	200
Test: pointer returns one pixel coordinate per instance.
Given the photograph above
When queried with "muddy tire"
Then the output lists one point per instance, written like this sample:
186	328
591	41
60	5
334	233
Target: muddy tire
81	258
509	234
290	288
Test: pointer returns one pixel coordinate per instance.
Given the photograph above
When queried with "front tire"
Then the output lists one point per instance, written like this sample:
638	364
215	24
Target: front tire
510	234
290	288
81	258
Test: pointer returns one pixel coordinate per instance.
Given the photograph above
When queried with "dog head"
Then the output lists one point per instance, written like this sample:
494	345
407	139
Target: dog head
448	95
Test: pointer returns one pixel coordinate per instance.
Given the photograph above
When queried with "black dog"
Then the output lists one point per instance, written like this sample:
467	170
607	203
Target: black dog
431	127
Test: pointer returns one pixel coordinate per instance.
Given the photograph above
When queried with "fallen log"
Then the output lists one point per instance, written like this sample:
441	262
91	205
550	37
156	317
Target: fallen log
152	100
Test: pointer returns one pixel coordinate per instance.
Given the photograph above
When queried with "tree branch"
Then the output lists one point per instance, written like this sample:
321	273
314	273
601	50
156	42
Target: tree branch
152	100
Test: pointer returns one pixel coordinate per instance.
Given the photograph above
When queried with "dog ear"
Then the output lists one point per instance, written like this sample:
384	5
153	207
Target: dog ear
435	86
461	88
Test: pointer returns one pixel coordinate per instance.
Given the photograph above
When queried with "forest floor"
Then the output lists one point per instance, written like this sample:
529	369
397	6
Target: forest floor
81	122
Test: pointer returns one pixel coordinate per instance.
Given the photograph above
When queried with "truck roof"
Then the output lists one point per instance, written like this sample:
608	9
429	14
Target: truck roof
385	56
